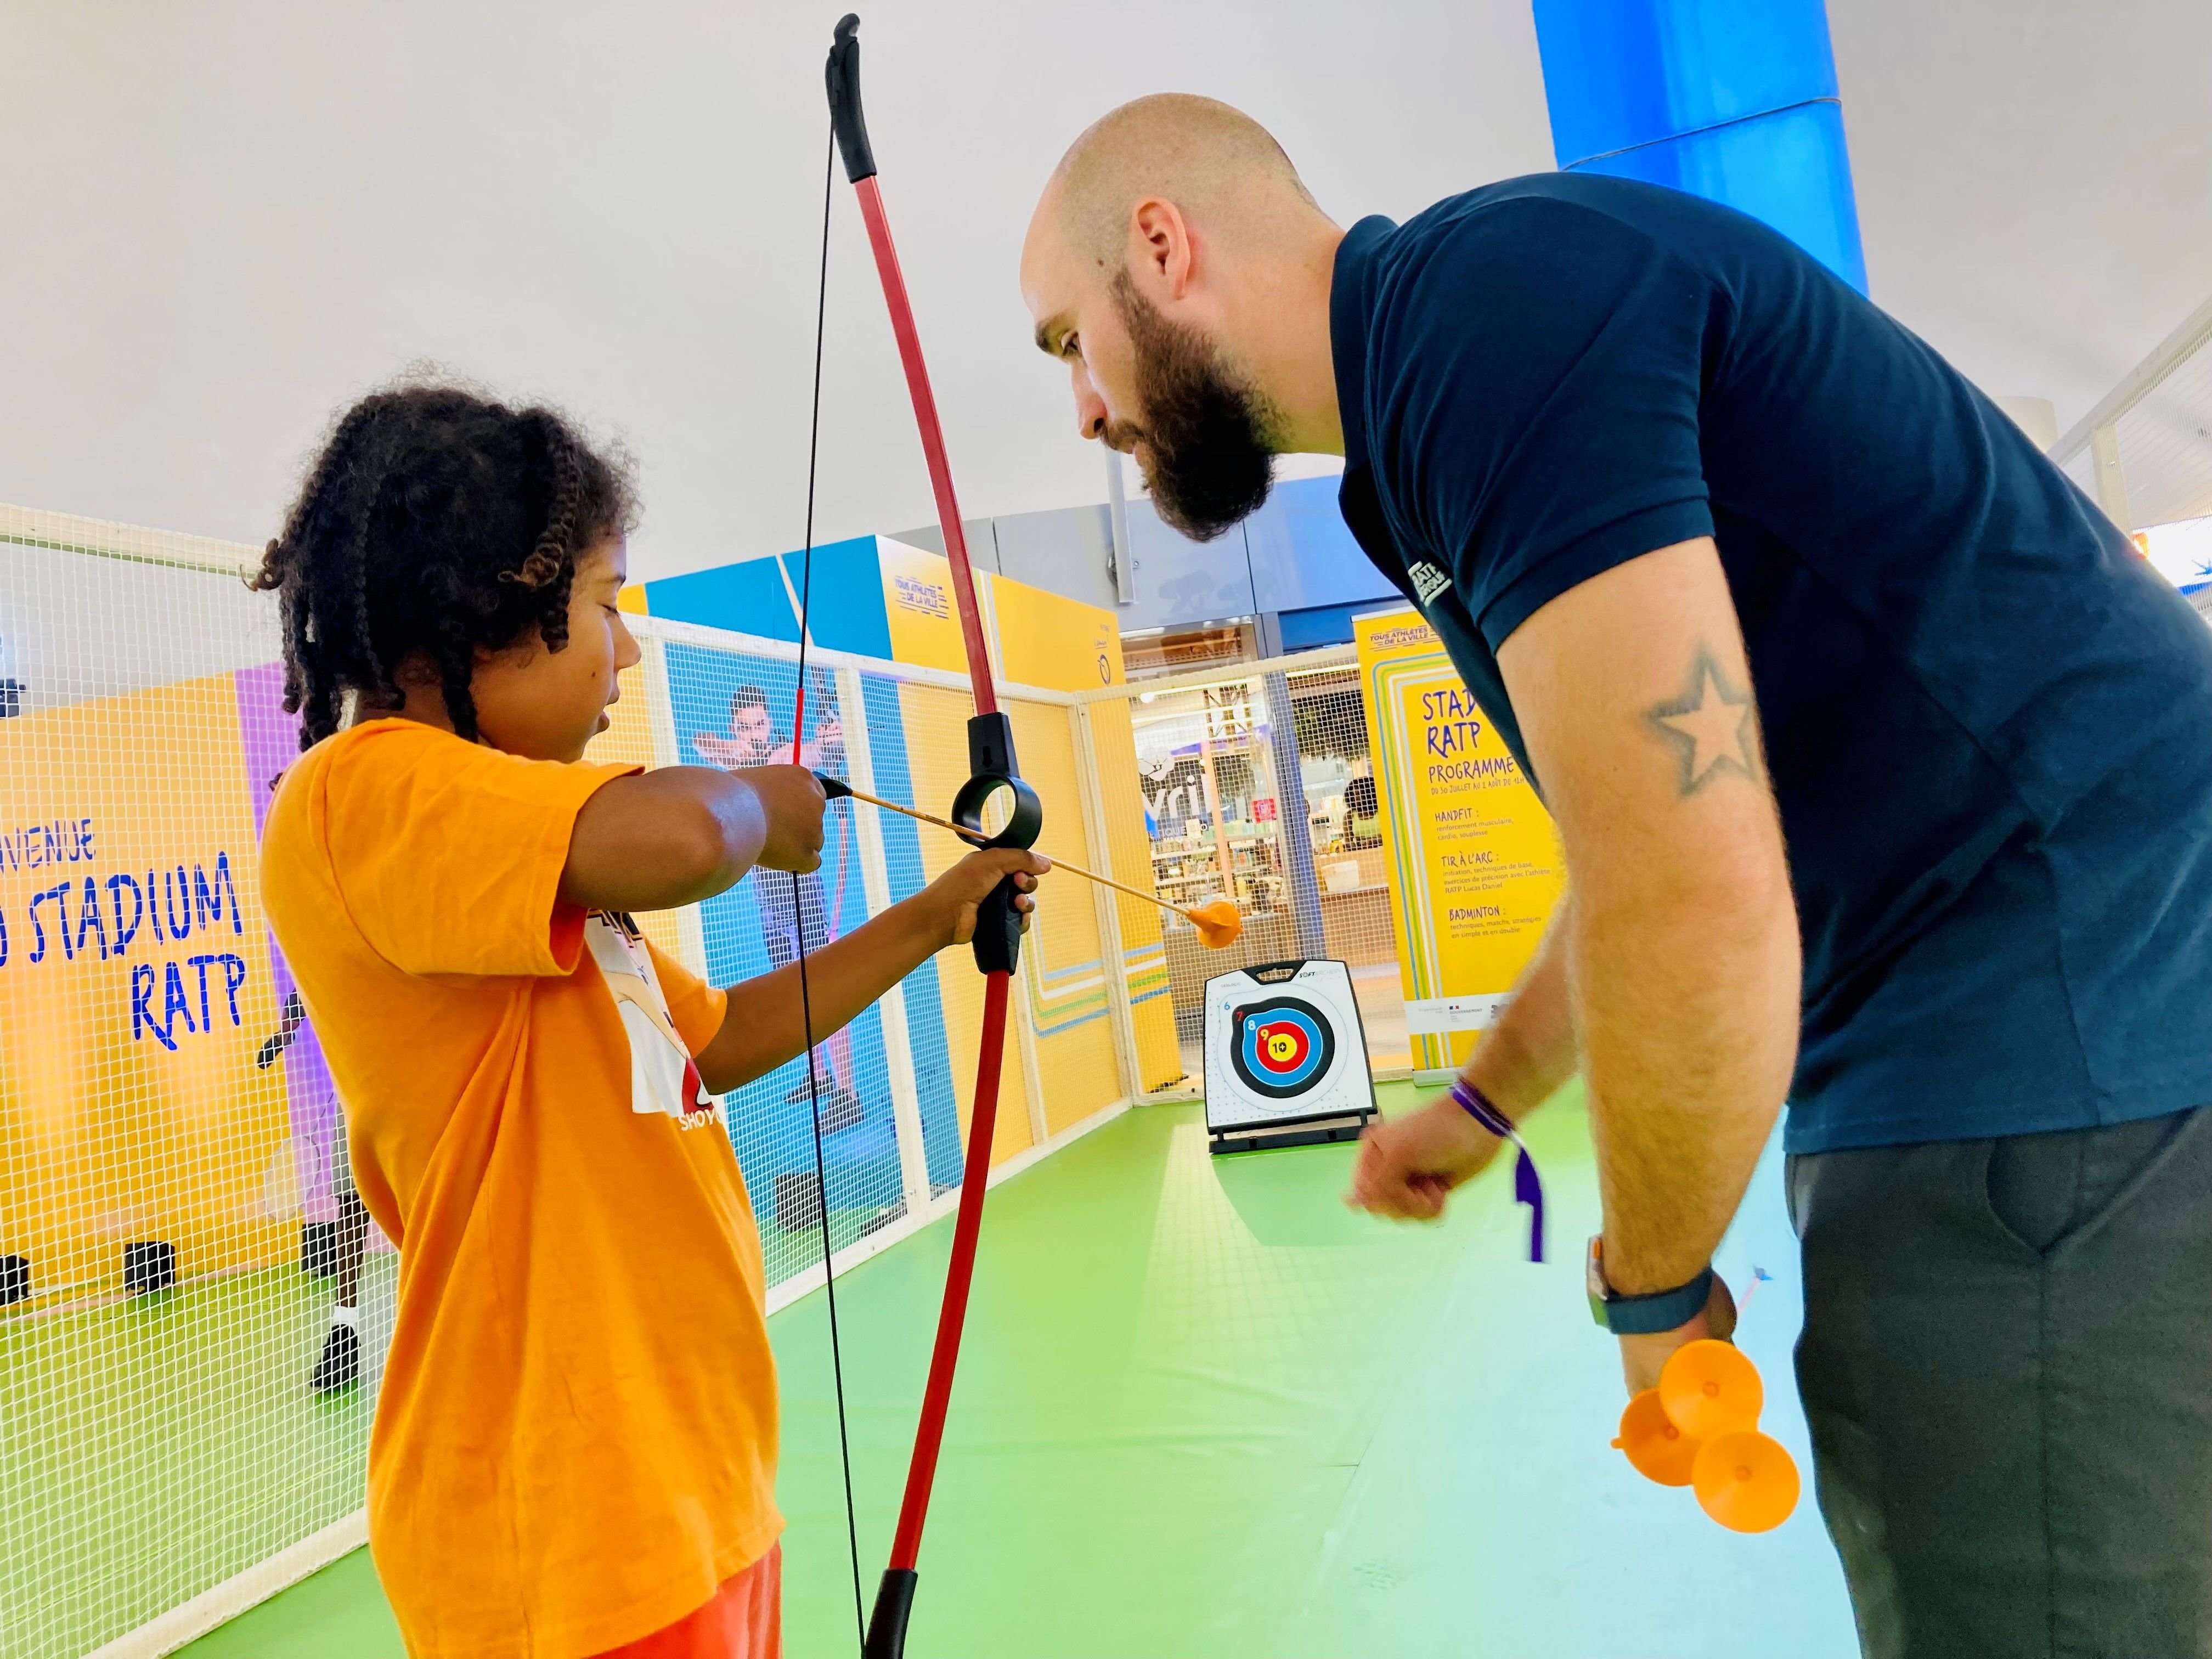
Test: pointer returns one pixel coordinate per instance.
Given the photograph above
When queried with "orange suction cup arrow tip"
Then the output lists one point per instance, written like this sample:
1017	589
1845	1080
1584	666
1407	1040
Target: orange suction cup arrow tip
1220	924
1745	1480
1659	1450
1709	1388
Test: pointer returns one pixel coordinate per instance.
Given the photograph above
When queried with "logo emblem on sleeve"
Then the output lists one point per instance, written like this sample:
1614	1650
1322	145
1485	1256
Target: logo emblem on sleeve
1428	581
1282	1047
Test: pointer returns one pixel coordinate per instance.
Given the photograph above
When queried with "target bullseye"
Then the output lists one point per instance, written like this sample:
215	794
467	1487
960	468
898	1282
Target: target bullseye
1280	1046
1285	1060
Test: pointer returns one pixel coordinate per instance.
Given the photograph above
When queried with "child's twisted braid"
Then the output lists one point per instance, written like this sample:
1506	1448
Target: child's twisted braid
436	526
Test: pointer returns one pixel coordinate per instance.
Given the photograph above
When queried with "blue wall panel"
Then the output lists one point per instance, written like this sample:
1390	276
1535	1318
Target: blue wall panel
1329	625
746	930
747	598
751	597
846	608
1180	580
924	1003
1302	553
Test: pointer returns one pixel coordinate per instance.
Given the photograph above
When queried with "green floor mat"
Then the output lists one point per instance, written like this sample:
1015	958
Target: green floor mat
1204	1411
127	1427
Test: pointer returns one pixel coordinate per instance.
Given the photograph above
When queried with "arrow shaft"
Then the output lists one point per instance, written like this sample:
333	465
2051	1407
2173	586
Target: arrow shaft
968	834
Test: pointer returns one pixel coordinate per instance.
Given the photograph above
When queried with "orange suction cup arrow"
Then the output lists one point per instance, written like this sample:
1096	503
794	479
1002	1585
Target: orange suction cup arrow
1659	1450
1709	1388
1220	924
1745	1480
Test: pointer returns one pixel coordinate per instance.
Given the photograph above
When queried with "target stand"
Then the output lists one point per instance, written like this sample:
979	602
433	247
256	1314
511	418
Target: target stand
1286	1058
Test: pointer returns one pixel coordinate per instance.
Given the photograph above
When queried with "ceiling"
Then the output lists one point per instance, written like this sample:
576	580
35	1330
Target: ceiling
2034	180
226	219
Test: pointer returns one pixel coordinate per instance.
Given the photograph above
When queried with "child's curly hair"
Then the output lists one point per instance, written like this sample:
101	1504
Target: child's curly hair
436	525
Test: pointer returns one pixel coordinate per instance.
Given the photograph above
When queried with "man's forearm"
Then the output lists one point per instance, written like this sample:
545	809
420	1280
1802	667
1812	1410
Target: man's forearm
1523	1058
1686	1012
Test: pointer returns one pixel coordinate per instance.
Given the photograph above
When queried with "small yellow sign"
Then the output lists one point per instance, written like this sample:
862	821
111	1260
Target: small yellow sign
1475	863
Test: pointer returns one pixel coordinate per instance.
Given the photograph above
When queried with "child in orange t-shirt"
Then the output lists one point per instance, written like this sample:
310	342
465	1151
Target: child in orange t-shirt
574	1447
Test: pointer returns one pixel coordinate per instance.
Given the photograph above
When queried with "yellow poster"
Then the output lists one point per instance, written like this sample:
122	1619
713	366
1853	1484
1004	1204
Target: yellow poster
138	1000
1474	861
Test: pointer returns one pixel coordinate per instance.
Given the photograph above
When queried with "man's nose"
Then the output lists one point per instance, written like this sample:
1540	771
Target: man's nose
1090	408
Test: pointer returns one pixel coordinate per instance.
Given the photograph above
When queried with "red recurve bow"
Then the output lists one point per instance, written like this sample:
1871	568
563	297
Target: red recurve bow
992	773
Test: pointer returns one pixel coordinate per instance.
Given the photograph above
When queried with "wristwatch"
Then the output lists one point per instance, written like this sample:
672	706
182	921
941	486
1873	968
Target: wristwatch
1642	1316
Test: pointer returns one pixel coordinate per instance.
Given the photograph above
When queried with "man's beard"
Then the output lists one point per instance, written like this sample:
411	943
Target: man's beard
1207	458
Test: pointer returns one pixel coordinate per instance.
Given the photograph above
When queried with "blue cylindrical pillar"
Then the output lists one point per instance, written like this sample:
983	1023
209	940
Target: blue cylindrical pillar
1735	100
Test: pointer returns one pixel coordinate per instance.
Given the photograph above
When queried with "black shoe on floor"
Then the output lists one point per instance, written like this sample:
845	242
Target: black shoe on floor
341	1361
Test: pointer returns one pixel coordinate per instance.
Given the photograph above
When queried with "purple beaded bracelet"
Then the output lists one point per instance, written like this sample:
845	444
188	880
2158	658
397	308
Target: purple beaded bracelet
1528	1187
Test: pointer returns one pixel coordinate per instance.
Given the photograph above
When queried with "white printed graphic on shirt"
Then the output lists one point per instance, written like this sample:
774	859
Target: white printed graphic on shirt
662	1078
1428	581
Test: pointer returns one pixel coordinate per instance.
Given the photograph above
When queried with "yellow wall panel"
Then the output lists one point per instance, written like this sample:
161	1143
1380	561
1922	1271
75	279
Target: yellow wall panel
130	1107
1128	857
1049	640
1061	960
937	749
629	740
919	608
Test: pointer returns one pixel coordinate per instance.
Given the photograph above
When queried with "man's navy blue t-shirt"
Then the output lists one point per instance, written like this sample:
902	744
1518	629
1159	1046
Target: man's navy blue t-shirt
1988	723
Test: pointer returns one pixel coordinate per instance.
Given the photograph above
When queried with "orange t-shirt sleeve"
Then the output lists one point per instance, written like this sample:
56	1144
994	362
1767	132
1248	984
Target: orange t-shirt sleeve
448	854
695	1007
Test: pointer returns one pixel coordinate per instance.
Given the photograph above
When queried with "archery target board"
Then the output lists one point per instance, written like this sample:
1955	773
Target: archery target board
1284	1049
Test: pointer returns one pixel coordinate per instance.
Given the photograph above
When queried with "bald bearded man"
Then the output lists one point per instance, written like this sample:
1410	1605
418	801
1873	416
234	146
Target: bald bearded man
1883	769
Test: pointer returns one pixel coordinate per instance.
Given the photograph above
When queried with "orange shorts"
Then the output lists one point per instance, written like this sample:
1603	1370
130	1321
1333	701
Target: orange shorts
744	1621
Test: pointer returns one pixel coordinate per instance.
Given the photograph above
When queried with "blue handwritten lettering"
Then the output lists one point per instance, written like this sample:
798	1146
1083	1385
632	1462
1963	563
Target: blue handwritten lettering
234	974
207	901
89	919
200	962
29	847
124	932
173	1000
173	891
141	1017
60	897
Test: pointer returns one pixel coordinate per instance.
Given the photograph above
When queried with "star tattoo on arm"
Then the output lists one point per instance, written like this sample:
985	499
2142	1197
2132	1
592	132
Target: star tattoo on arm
1713	726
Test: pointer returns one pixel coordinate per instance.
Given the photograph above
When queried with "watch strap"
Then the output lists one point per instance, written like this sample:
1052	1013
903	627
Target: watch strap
1647	1315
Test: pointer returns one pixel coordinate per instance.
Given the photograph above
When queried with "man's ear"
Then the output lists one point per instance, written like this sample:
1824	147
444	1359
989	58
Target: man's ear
1160	242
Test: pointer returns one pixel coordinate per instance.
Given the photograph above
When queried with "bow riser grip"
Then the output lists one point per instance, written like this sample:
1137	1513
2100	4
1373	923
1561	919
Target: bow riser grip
886	1638
998	939
843	76
991	768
